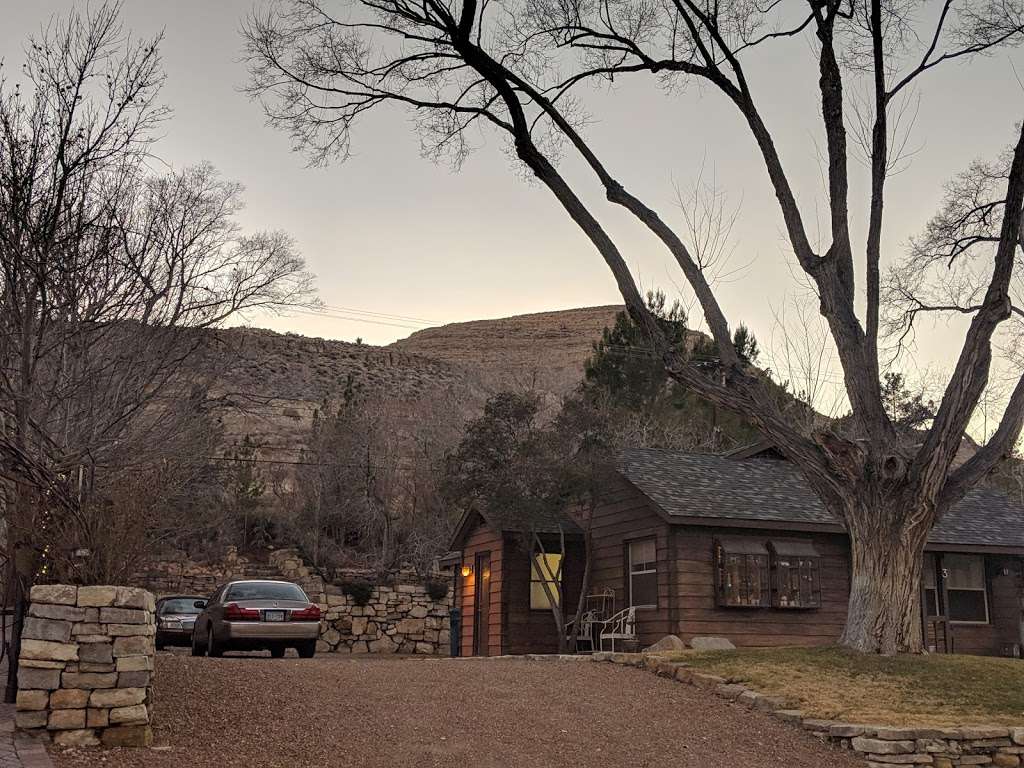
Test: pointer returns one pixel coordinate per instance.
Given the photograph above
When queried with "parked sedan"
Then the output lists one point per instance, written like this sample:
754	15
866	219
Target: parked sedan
257	615
175	618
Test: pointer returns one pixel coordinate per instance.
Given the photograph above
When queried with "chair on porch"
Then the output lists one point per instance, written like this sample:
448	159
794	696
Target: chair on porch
621	627
585	632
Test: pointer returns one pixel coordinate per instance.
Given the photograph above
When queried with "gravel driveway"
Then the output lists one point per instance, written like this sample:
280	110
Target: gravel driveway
371	713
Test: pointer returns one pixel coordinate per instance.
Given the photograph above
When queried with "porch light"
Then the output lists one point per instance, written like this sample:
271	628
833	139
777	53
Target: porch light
467	571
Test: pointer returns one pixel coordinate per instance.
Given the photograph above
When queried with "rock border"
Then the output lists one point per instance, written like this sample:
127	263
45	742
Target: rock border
881	746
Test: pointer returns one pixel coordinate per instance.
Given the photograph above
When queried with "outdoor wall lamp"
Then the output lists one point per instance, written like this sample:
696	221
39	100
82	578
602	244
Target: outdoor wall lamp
467	571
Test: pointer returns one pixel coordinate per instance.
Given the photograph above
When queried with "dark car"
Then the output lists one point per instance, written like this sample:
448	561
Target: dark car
175	618
257	615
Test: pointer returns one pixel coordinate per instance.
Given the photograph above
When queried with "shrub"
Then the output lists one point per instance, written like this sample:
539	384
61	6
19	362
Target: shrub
359	590
437	589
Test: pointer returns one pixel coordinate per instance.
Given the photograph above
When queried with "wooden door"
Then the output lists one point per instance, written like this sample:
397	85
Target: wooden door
482	605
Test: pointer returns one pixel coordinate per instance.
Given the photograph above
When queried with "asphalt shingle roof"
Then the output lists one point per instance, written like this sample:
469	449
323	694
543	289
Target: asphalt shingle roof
687	485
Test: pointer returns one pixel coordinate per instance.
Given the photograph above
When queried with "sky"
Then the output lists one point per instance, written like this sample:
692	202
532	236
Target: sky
389	232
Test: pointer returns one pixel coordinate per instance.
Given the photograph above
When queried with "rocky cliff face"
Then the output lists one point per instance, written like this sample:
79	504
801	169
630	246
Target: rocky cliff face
544	351
275	382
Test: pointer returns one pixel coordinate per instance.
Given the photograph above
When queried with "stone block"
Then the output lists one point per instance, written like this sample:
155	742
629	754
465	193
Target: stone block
124	616
849	730
27	720
66	719
48	650
984	732
703	680
61	612
135	664
127	736
727	690
96	597
129	630
89	680
137	714
139	679
897	734
117	697
96	653
1017	735
133	646
90	667
418	612
974	760
56	594
28	701
411	626
887	761
882	747
42	664
83	737
132	597
331	637
39	679
69	698
1005	761
428	649
383	645
90	628
97	718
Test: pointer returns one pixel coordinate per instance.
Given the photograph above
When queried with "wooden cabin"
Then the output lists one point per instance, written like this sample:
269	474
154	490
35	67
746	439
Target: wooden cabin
504	608
740	547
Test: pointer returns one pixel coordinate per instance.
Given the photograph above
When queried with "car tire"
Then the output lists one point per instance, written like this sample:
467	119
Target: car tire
277	651
307	649
197	649
213	648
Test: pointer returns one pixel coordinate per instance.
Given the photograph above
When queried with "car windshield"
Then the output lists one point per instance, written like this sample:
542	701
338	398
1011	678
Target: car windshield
264	590
179	605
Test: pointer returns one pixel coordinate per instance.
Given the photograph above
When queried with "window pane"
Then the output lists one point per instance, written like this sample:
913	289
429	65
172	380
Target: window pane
544	567
967	605
642	555
964	571
643	589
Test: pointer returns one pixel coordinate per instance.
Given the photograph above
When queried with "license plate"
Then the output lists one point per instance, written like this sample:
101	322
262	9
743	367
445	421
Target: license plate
273	615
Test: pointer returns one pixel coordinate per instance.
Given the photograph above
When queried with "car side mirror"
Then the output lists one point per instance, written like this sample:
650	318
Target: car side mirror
200	604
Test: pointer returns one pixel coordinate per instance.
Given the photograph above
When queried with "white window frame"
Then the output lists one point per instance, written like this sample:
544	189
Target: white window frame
632	573
983	589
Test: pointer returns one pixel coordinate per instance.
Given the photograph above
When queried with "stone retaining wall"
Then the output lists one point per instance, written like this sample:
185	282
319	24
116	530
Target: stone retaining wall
86	665
400	617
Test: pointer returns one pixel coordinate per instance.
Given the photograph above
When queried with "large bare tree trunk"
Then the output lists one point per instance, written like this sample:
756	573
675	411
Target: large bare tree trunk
884	614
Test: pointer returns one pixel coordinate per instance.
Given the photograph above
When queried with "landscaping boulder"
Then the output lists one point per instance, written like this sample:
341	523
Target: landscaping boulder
711	644
668	643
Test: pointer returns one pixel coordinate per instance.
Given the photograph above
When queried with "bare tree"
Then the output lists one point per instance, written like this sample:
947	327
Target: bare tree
105	272
509	66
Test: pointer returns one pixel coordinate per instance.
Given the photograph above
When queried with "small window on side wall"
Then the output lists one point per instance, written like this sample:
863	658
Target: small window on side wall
642	565
965	588
741	573
795	577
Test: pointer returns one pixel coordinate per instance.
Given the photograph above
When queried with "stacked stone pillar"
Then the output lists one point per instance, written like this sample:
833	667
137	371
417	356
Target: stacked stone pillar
86	666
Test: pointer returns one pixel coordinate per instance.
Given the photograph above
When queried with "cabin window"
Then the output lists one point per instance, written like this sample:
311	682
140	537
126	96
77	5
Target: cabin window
930	585
642	564
795	582
741	568
965	588
544	568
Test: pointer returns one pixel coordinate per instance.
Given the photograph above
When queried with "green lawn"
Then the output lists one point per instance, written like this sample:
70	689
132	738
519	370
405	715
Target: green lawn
831	683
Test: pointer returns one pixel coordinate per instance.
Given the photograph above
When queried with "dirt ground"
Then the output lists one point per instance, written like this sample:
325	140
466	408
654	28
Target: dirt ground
259	712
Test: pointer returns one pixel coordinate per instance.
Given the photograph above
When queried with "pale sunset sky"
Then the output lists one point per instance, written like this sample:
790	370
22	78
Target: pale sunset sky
389	232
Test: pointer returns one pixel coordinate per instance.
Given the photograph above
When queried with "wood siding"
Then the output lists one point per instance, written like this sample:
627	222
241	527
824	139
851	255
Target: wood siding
625	515
534	631
699	613
1003	576
481	539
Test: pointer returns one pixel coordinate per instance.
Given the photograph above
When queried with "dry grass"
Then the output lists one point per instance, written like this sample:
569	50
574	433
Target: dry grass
905	690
